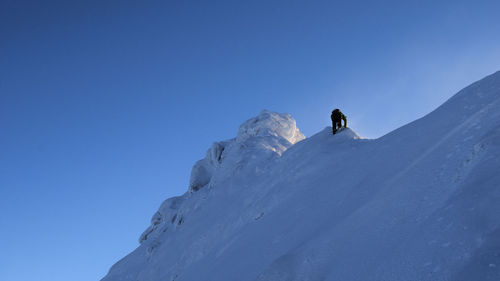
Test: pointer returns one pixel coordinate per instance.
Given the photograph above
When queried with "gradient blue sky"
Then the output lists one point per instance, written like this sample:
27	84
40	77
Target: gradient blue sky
105	105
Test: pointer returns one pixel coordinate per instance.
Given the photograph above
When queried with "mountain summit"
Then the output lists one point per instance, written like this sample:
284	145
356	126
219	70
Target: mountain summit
420	203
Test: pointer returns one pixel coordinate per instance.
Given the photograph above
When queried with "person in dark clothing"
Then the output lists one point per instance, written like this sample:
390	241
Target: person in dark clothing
337	118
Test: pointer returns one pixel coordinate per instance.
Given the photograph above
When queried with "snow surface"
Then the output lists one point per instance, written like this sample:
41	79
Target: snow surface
420	203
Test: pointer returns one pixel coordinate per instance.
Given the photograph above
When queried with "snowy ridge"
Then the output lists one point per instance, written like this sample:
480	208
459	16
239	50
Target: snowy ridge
420	203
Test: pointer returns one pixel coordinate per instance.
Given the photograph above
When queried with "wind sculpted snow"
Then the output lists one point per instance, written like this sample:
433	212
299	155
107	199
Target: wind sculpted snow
420	203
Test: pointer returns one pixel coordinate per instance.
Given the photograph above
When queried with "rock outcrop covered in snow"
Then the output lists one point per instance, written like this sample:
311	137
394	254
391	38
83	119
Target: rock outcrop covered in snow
420	203
263	137
268	132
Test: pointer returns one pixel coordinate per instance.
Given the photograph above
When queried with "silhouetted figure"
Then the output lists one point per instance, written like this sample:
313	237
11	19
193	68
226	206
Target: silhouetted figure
337	118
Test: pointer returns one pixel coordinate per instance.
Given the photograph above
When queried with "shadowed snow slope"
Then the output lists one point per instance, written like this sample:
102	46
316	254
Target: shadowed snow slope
420	203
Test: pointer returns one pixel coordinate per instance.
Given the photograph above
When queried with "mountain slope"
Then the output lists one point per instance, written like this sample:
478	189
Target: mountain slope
420	203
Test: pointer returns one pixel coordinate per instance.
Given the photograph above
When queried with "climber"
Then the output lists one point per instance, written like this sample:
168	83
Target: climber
337	118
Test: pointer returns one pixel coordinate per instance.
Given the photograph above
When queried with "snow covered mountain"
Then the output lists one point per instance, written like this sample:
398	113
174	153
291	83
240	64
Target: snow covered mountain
420	203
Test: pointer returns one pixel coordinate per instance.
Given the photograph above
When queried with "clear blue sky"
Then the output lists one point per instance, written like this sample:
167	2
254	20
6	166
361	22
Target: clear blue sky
106	105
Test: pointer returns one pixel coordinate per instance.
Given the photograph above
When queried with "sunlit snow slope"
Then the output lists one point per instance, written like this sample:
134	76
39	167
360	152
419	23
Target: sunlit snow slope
420	203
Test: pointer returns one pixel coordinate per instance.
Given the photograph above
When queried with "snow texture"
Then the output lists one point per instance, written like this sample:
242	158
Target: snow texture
420	203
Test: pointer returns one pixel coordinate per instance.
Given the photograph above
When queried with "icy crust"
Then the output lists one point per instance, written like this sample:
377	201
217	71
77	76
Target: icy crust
269	132
270	124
